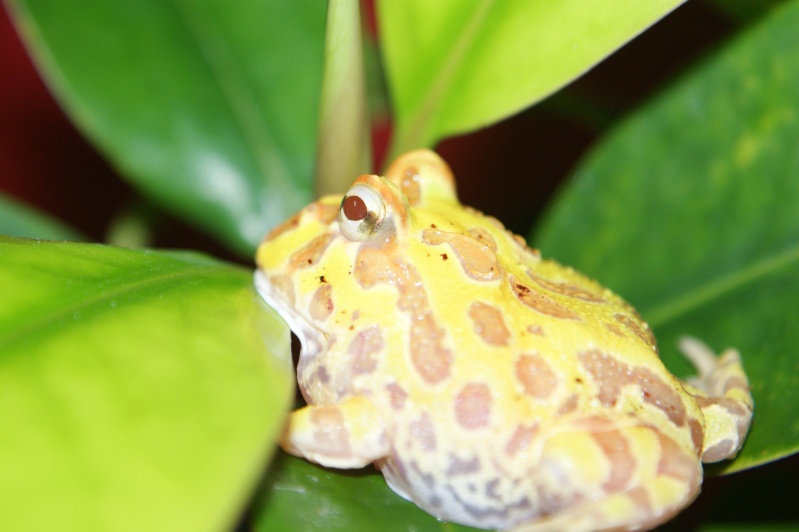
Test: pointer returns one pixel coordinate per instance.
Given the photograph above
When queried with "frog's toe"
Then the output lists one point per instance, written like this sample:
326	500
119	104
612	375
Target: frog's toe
722	392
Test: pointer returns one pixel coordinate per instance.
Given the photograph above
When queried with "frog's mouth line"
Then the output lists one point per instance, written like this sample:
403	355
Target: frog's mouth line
312	339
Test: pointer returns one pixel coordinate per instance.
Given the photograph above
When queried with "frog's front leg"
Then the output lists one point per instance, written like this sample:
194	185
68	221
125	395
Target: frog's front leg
349	434
722	392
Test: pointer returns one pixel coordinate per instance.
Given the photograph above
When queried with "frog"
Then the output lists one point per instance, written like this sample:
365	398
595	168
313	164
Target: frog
490	386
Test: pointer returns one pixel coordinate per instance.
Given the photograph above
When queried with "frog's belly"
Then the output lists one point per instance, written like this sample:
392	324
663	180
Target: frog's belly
477	491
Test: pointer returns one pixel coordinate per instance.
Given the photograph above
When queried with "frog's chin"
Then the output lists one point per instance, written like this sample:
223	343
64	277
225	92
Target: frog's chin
311	338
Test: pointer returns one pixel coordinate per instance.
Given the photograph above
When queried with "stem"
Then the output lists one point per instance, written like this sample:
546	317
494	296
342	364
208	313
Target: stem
343	150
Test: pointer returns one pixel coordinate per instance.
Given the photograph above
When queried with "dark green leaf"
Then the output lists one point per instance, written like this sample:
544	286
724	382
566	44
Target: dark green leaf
691	211
336	501
208	105
138	390
456	65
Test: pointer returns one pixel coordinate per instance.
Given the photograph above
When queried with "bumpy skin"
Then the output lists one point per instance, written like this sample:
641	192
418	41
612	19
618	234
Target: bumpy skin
491	387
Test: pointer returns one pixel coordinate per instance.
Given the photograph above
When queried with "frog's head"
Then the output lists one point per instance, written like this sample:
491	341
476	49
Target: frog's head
305	259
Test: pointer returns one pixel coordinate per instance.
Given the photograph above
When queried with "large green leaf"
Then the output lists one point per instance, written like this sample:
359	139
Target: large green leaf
17	219
691	211
456	65
138	390
208	105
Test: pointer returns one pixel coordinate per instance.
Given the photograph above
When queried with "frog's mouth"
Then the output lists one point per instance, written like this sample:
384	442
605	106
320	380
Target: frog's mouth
312	339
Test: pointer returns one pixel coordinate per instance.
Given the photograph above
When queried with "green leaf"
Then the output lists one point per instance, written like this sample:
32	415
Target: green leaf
138	390
690	210
456	65
210	106
335	501
17	219
745	11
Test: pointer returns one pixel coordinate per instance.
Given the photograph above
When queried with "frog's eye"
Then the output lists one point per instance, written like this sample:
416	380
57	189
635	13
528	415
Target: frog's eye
361	214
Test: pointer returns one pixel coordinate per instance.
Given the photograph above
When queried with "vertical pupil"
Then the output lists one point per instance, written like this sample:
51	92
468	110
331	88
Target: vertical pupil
354	208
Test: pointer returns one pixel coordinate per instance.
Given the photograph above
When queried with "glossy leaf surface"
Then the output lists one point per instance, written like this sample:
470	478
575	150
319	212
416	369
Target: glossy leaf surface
690	210
201	104
138	390
455	65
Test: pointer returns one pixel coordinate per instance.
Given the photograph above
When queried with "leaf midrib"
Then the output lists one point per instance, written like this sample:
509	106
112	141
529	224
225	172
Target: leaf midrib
683	304
47	320
418	131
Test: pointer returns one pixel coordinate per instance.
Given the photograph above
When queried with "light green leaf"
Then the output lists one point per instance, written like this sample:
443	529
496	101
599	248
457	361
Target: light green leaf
457	65
17	219
210	106
690	210
138	390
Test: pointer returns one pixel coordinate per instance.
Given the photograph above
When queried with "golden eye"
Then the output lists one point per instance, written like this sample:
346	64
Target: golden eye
361	214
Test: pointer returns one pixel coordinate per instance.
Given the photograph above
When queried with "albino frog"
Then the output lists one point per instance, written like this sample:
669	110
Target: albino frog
491	387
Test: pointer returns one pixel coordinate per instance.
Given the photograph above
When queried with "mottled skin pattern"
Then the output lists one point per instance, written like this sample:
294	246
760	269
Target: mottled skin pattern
491	387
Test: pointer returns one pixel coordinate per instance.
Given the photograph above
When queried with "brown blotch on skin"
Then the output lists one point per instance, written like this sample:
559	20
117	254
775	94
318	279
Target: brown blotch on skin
520	440
540	302
423	432
462	467
429	356
620	458
735	382
611	375
676	463
697	435
311	253
567	289
640	499
488	323
321	303
322	375
612	327
409	184
638	328
364	348
484	237
569	405
473	406
330	432
397	395
428	479
536	377
476	258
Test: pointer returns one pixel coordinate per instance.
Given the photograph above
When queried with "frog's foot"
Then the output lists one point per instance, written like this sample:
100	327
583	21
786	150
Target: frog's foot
346	435
722	392
628	478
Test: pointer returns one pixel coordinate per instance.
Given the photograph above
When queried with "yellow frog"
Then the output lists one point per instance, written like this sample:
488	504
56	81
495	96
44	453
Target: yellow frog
491	387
